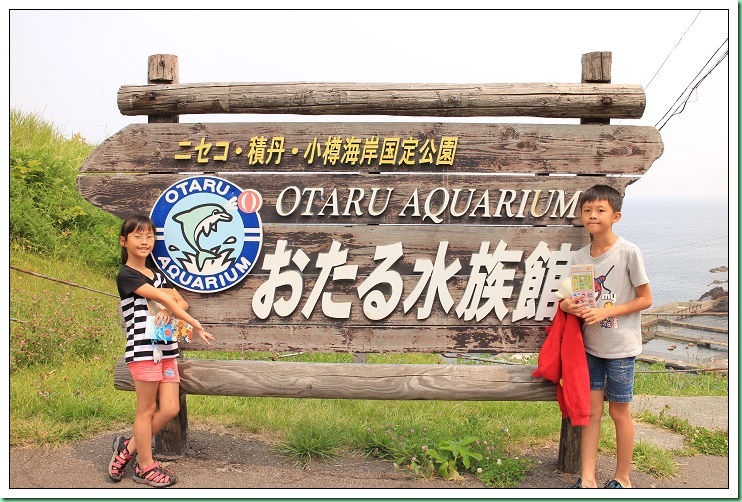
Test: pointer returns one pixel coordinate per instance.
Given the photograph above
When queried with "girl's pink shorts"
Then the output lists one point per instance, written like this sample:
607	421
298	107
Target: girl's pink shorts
148	371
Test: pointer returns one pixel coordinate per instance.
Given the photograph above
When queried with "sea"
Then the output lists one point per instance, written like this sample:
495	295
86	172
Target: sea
681	241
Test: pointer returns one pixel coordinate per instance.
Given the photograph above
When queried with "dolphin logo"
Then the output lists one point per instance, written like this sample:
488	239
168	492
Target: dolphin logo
198	221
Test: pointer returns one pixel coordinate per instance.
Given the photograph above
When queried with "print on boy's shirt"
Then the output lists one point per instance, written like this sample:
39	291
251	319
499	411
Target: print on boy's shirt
605	296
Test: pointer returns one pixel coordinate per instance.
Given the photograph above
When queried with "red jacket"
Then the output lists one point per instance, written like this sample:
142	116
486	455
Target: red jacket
562	361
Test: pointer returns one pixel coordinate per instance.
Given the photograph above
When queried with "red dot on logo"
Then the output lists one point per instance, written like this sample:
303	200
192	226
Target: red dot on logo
249	201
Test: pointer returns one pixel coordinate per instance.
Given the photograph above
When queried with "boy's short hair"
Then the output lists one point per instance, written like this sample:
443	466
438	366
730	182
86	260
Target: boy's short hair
603	192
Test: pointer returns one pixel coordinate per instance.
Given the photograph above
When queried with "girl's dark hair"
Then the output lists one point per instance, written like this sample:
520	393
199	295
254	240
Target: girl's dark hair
603	192
132	224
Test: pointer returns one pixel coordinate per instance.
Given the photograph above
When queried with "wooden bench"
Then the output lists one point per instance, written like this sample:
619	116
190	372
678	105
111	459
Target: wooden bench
447	238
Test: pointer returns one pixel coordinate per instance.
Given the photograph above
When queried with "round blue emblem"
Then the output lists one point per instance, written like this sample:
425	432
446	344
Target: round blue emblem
208	233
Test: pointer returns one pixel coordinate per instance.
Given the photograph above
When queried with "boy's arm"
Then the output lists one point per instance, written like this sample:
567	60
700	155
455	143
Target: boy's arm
643	300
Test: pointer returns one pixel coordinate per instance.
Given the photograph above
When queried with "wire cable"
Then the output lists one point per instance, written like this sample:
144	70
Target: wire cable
685	102
687	246
672	50
692	87
67	283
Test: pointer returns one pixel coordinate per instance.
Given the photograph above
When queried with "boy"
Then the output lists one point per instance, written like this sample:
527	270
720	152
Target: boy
611	329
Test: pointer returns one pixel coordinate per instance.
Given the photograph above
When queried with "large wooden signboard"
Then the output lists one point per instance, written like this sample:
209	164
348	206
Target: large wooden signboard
367	236
375	237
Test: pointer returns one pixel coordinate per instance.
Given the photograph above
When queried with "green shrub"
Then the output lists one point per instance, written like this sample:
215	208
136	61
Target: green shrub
48	215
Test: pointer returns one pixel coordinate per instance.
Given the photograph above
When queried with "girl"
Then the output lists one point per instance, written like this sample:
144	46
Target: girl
153	365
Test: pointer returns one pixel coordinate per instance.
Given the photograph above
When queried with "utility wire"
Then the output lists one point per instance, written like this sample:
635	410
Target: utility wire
679	110
672	50
715	241
618	121
685	102
61	281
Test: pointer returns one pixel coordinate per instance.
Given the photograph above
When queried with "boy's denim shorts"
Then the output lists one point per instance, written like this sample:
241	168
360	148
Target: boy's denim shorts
614	376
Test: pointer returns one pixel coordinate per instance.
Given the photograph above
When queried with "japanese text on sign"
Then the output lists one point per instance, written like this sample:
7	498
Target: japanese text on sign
333	151
489	284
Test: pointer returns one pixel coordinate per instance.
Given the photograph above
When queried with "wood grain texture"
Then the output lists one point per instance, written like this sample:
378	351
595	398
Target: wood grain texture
290	337
355	381
482	148
163	69
408	199
443	100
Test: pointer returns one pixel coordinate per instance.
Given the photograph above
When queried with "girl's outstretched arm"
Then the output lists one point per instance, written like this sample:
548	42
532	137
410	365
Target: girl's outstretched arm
163	296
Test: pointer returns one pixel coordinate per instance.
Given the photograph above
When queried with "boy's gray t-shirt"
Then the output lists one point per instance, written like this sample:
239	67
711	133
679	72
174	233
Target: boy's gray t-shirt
617	273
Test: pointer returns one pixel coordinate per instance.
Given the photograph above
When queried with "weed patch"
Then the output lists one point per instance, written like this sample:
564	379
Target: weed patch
653	460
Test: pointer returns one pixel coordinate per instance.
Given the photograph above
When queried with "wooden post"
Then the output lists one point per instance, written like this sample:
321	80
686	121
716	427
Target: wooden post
596	68
569	447
162	69
172	440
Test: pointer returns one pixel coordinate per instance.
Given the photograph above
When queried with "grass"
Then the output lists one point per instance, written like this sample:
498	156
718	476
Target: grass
653	460
656	380
699	439
307	440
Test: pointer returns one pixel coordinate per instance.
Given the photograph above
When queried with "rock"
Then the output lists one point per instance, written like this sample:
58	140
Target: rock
713	294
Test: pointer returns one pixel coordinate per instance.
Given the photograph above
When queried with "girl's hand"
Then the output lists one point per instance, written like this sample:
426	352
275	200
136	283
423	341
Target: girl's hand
203	334
163	317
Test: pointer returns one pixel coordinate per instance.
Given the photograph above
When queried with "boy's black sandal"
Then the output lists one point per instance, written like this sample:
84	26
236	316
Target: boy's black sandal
578	484
613	484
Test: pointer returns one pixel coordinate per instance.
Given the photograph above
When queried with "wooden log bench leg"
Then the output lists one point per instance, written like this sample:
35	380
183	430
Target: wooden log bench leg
569	447
172	440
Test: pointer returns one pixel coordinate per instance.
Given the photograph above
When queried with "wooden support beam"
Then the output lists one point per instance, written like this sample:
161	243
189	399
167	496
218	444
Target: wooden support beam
172	440
437	100
596	69
355	380
163	69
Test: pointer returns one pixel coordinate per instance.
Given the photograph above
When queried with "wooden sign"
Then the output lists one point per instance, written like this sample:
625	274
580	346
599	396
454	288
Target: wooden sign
370	237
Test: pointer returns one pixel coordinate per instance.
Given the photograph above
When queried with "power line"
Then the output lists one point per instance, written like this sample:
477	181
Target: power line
61	281
681	108
687	246
672	50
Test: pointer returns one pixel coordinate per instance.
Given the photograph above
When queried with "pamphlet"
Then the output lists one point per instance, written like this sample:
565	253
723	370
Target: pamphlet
583	283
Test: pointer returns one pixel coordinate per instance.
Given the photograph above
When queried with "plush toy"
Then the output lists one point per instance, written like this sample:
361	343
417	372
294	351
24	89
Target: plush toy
565	288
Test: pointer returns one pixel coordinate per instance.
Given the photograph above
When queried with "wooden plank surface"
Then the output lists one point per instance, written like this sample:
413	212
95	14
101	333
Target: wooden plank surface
446	100
481	148
411	198
293	337
355	381
230	315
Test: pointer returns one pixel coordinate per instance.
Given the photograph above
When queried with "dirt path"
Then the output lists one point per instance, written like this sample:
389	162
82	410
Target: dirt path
222	461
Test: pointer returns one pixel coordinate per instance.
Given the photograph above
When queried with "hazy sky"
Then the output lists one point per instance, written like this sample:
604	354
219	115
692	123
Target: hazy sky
67	65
